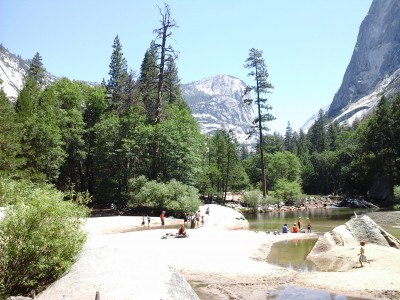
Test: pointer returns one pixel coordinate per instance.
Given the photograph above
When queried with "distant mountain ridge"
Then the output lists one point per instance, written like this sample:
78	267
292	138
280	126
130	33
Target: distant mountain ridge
216	102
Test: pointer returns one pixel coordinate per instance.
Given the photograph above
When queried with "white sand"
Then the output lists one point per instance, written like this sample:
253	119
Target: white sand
220	264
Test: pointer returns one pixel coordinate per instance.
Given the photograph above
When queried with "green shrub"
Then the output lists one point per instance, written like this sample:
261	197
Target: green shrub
252	198
173	196
40	236
288	191
396	192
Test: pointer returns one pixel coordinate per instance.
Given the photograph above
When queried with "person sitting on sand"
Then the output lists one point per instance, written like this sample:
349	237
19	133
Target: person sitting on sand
294	228
284	228
182	231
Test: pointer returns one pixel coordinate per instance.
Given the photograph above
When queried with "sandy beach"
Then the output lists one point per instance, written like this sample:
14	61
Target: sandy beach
219	264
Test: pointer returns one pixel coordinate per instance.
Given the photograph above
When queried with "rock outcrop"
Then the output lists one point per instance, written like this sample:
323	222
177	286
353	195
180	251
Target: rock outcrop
374	69
356	203
334	250
222	217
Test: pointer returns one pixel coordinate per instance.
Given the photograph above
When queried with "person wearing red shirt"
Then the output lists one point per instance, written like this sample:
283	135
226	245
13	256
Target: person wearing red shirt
162	218
182	231
294	228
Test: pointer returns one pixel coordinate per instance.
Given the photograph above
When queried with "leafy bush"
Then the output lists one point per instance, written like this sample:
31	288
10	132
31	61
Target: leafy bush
172	196
40	236
252	198
288	191
396	192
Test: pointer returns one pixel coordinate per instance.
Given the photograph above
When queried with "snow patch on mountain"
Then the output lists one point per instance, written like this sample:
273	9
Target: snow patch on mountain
217	103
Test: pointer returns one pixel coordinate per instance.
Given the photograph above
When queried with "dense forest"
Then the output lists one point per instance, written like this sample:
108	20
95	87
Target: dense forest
132	141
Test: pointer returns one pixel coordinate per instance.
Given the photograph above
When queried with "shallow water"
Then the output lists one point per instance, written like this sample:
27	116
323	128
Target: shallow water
292	254
294	293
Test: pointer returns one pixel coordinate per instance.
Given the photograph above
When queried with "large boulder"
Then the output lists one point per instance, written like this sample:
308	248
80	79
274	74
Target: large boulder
381	188
222	217
331	252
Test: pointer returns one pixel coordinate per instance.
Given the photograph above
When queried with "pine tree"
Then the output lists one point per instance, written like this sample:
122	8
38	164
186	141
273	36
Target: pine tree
117	83
36	70
172	82
258	70
148	82
33	83
317	134
289	138
164	32
10	146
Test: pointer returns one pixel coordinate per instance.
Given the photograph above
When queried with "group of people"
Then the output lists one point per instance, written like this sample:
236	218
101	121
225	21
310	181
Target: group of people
297	227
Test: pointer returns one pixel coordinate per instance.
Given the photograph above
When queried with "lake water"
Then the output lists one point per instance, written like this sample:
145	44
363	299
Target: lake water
322	219
292	253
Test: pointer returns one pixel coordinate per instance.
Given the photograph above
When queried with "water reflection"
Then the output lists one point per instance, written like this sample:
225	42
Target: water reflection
292	254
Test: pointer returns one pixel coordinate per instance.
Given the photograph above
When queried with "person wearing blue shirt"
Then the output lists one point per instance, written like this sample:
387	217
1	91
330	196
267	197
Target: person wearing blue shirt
284	228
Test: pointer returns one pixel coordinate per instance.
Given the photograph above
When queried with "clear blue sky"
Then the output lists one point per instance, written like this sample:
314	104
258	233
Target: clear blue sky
306	45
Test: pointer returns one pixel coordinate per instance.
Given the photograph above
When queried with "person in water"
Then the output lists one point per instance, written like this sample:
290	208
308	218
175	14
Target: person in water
308	225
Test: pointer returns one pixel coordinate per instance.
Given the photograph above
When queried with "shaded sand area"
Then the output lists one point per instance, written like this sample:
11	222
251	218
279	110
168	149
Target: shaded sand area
218	263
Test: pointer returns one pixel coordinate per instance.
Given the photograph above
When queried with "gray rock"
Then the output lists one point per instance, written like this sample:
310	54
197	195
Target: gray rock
381	188
352	233
375	55
179	288
356	203
335	250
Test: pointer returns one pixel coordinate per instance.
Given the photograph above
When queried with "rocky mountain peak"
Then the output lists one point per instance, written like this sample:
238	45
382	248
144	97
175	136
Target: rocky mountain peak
217	102
374	67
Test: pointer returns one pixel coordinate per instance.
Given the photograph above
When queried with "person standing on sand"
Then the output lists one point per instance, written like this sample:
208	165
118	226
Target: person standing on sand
162	218
142	226
308	225
362	258
148	221
197	219
185	219
294	228
299	223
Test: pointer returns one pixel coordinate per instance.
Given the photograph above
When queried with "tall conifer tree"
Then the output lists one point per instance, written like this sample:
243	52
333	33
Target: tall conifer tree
258	70
148	82
117	83
163	33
